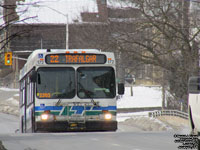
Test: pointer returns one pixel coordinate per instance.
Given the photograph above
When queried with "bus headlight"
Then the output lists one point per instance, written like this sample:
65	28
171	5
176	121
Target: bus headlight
44	117
107	116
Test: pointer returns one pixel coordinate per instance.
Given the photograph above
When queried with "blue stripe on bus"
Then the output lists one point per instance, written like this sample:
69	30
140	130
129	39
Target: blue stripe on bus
105	108
38	108
77	108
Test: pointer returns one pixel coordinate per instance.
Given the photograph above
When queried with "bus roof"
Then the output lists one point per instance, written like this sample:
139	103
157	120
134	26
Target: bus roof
38	51
34	57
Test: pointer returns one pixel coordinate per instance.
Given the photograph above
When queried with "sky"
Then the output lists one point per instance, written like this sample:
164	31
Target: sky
55	11
58	11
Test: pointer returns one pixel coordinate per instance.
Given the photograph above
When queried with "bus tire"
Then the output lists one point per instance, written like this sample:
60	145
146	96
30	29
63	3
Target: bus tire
22	125
33	123
198	144
191	121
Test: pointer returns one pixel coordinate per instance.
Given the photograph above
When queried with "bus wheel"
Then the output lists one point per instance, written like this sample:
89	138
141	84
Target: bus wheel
33	123
198	144
191	121
22	125
33	128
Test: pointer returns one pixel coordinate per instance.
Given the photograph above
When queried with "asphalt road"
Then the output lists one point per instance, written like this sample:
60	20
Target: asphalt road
94	140
126	138
8	124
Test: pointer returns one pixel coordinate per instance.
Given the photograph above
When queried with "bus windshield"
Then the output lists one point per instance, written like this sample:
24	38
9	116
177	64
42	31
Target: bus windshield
56	82
96	82
92	82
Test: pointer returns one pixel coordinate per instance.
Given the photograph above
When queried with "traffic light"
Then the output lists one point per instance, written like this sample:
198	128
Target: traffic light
8	58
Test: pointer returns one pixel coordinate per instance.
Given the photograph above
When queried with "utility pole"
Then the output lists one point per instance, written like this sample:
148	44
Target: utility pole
67	25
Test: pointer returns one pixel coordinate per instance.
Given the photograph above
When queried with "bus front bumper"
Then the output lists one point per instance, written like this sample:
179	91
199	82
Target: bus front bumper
61	126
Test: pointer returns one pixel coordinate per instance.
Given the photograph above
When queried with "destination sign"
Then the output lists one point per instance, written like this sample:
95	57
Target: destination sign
75	59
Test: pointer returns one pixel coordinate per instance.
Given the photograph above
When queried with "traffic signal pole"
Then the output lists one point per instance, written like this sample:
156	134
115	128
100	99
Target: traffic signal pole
8	56
8	61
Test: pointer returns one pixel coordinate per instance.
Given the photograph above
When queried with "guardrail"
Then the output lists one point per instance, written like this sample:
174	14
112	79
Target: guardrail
168	113
128	110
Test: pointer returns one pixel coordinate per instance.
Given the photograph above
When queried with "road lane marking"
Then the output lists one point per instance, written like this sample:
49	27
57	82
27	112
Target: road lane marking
95	139
21	135
114	144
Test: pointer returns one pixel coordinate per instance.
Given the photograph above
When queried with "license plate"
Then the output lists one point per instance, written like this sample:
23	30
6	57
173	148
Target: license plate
73	125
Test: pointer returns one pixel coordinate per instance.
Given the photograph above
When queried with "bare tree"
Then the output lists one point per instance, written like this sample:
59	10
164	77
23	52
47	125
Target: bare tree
166	36
9	17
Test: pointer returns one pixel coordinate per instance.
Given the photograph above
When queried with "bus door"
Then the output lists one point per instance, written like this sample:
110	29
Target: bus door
30	103
22	105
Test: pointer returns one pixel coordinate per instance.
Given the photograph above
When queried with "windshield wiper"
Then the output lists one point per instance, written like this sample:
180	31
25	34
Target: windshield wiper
88	95
58	102
94	103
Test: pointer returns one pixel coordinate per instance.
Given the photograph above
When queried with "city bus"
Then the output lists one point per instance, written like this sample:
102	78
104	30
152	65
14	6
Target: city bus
69	90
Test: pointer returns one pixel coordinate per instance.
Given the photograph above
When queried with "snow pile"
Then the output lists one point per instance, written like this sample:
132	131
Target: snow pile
176	123
8	89
147	124
1	146
142	97
10	106
121	117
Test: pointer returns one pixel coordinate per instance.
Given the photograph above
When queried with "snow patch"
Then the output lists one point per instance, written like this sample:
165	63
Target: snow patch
11	105
147	124
8	89
120	4
16	95
124	116
142	97
13	101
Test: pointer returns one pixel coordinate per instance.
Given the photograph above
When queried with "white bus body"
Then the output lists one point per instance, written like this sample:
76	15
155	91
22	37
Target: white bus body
67	90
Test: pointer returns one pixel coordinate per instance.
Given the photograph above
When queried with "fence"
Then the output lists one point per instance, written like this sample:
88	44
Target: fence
129	110
168	113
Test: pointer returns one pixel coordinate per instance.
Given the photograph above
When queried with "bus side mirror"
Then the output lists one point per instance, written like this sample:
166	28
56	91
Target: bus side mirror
33	76
120	88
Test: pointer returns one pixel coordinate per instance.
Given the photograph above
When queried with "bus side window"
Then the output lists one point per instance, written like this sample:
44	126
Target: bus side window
21	102
194	85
